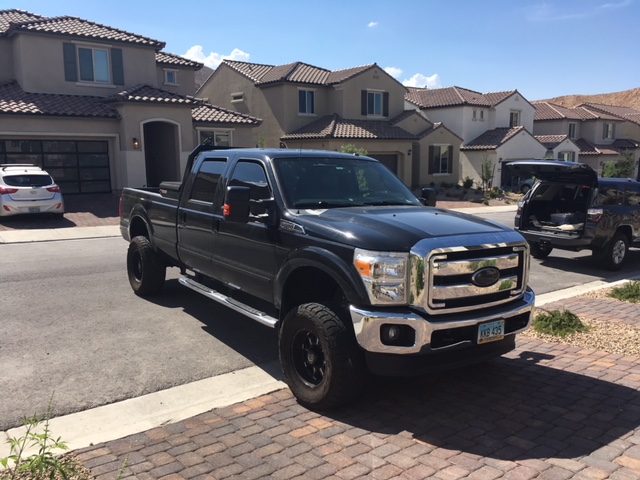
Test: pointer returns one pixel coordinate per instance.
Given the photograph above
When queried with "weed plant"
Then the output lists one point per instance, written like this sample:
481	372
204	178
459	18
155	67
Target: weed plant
558	323
629	292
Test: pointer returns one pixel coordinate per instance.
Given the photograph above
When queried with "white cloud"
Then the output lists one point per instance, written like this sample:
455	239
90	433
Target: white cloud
372	24
212	60
419	80
394	72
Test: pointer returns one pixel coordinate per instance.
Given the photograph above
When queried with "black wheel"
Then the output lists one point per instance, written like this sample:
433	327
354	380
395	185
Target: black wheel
613	255
538	251
145	268
321	361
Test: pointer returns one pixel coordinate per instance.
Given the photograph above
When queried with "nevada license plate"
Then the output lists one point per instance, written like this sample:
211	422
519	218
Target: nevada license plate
34	209
490	332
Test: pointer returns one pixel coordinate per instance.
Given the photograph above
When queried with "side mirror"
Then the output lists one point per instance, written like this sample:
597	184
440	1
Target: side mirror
428	198
236	205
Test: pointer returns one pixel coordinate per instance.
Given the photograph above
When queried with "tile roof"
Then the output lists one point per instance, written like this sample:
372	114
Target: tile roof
208	113
17	21
149	94
297	72
14	100
334	126
550	111
625	113
454	96
492	139
589	148
164	58
551	141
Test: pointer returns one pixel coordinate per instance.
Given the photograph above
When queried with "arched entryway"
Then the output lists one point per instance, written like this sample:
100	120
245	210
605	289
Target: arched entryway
161	152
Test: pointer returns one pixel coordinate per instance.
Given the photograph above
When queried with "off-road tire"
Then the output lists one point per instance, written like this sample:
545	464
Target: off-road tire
612	256
145	268
538	251
321	361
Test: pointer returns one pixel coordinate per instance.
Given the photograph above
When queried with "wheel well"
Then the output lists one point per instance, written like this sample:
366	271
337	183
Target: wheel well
626	231
138	227
310	284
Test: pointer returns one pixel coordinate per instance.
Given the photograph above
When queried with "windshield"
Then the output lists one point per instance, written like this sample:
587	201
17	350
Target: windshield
316	182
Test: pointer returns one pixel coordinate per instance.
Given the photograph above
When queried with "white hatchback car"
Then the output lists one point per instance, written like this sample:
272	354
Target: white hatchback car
28	189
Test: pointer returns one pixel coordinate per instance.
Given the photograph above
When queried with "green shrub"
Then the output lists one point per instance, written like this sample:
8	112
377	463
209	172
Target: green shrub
558	323
629	292
467	183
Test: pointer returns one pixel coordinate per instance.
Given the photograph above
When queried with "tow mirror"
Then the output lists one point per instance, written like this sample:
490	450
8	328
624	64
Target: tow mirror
236	205
429	197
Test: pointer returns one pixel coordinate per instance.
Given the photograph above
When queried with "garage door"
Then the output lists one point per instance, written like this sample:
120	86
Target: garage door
389	161
78	166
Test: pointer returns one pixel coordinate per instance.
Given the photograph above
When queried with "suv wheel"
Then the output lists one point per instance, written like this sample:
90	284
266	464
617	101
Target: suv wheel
613	255
320	359
538	251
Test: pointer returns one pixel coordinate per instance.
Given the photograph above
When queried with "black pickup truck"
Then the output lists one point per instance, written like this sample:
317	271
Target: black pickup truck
335	252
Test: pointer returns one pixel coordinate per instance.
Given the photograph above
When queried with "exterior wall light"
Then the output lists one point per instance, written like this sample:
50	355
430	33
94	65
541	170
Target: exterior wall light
136	144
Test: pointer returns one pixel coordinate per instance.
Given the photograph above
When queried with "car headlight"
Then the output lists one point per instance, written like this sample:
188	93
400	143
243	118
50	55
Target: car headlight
384	275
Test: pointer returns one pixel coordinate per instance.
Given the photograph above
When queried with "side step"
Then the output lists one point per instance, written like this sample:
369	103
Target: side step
240	307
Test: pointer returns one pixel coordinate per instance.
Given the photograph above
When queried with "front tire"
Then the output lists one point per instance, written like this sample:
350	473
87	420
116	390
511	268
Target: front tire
145	268
613	255
538	251
321	361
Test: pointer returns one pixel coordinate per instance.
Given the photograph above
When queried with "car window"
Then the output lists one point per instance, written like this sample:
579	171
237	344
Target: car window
206	181
26	180
610	195
633	197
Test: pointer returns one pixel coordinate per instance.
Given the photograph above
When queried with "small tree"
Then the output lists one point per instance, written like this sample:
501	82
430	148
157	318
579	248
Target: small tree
351	148
487	172
621	168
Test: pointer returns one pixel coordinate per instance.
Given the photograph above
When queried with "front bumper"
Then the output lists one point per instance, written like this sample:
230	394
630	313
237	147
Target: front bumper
437	334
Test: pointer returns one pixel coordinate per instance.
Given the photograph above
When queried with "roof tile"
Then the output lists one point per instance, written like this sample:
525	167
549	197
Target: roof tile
211	114
492	139
453	96
164	58
149	94
334	126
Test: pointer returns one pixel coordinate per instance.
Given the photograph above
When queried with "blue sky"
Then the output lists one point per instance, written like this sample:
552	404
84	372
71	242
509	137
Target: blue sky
543	48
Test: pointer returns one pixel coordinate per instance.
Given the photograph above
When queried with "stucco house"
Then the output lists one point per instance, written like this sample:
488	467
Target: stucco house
495	128
602	133
101	108
304	106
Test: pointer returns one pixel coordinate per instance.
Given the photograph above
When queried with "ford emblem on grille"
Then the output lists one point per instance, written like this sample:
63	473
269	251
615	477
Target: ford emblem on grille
485	277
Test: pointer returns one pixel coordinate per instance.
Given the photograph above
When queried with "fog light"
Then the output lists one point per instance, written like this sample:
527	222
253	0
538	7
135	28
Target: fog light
397	335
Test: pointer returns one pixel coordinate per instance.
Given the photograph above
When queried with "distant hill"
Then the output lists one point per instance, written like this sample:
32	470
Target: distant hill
628	98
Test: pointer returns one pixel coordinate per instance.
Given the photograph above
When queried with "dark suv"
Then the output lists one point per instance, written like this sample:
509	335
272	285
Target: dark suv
570	208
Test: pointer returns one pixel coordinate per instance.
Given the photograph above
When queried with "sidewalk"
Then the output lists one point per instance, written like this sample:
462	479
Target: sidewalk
545	410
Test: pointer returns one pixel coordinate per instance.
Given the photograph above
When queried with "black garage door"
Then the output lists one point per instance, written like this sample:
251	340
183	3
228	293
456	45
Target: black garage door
389	161
78	166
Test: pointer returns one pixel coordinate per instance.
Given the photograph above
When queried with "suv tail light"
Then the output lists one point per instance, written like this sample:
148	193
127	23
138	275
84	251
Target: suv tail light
594	215
5	190
54	189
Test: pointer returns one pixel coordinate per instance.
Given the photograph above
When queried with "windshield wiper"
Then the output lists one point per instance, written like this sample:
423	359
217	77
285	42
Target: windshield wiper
322	204
386	203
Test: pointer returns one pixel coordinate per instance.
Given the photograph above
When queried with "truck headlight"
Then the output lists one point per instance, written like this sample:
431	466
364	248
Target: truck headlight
384	275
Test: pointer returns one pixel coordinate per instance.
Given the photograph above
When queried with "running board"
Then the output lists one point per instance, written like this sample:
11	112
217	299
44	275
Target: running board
240	307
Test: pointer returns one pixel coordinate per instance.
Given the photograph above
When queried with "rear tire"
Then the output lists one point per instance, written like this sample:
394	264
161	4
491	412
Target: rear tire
538	251
145	268
320	359
612	257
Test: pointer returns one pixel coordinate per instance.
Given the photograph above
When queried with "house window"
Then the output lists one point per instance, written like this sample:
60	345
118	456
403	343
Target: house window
171	77
482	115
306	102
374	103
237	97
440	159
572	130
608	131
94	65
219	138
566	156
475	115
514	118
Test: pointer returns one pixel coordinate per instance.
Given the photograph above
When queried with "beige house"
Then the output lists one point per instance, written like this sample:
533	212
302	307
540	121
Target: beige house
101	108
495	128
602	133
303	106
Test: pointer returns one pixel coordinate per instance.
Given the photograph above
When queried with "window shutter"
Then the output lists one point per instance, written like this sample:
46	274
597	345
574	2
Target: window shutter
450	164
117	69
431	160
69	59
363	107
385	104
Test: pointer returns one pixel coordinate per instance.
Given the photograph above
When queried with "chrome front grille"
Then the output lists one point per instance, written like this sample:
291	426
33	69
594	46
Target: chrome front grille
449	279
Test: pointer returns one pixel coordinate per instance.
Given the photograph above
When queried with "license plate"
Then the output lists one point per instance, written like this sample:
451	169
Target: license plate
490	332
34	209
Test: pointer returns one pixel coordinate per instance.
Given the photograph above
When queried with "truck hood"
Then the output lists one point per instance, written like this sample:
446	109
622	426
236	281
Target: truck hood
390	228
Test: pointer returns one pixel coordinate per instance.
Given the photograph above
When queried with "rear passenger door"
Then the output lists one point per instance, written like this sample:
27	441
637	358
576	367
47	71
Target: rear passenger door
196	221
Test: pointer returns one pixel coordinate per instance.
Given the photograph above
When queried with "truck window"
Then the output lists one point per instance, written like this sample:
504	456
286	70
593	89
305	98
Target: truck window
610	195
251	174
206	181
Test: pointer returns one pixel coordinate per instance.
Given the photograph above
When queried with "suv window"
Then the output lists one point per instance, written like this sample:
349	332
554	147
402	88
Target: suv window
610	195
26	180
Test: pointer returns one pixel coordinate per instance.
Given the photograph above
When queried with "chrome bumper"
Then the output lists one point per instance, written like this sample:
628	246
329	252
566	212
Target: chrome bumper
367	325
